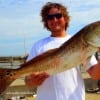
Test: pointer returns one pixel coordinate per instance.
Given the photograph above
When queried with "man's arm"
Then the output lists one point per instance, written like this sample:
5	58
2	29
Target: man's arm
94	71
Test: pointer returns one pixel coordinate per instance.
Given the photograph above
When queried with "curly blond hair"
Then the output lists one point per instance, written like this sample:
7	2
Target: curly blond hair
46	8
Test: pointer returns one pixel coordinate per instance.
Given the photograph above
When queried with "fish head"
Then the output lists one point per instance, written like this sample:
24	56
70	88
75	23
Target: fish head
92	34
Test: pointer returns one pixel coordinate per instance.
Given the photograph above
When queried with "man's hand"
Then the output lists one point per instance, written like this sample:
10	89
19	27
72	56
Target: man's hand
36	79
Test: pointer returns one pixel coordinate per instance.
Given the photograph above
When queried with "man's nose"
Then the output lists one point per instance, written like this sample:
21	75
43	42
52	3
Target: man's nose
54	18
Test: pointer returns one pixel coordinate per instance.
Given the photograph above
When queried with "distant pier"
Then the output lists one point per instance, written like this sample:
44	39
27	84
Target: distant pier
12	61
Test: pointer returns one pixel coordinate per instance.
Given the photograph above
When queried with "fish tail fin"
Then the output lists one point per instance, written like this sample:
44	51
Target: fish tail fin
5	79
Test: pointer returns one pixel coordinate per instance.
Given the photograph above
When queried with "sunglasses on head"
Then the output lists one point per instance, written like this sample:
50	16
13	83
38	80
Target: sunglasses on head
51	17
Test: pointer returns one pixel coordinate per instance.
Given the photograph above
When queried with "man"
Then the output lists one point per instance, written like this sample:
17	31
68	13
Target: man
67	85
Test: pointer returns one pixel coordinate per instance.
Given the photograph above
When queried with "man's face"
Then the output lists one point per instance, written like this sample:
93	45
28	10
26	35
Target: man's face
55	20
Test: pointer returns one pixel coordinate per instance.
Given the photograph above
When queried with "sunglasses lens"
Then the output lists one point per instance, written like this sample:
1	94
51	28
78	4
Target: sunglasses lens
51	17
58	16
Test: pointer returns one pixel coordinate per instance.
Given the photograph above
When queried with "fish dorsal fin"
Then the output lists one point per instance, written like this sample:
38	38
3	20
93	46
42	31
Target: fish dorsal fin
40	57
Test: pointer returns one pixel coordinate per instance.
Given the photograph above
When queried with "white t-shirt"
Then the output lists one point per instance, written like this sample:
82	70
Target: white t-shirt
67	85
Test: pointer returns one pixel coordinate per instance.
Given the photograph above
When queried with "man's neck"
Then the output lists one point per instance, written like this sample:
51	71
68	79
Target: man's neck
59	34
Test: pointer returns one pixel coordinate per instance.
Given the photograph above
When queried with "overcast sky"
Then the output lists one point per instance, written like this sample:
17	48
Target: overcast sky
20	22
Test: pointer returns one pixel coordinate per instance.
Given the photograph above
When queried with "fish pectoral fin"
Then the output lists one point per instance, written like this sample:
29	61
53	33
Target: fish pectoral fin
86	62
